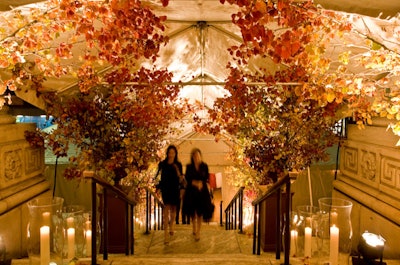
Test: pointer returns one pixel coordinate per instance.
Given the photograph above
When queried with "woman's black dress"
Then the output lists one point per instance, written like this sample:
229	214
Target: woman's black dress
169	183
195	200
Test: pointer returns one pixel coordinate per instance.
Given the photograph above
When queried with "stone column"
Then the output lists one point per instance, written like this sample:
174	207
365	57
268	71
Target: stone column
21	179
370	177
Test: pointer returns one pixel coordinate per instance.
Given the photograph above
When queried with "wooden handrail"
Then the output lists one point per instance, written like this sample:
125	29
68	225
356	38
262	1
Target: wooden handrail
89	175
275	188
234	210
271	190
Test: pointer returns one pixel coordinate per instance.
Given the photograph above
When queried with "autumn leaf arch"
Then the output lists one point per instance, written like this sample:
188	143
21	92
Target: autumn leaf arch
278	126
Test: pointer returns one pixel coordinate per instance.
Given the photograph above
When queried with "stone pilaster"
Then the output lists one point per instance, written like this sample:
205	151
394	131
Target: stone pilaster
21	179
370	177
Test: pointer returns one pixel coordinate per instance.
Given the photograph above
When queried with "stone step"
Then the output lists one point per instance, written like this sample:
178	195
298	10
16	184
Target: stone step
193	259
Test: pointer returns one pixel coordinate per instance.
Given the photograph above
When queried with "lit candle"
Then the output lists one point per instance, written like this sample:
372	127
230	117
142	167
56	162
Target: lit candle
333	218
307	241
44	245
334	245
71	243
46	218
88	243
70	222
293	242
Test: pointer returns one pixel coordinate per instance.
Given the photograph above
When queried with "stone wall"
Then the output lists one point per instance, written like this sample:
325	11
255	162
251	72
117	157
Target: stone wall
370	177
21	179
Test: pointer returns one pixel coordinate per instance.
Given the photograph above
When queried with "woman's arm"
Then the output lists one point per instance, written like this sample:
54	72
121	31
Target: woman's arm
206	173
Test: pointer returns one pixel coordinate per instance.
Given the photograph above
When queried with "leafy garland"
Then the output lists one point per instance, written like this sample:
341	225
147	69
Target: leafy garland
282	125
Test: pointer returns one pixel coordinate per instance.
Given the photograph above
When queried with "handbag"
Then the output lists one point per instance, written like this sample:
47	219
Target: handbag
210	207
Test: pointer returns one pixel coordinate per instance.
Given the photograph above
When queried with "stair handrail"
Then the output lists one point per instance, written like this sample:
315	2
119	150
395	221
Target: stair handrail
234	212
106	186
158	208
275	188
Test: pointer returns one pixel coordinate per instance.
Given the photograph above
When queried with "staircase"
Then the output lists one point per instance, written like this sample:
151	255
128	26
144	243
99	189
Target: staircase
216	246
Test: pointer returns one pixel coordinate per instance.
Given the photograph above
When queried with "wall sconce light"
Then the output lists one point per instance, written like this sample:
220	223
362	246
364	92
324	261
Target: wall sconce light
370	248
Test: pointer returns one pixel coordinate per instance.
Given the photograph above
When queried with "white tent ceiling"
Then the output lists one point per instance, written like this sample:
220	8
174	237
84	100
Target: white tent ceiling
371	8
200	32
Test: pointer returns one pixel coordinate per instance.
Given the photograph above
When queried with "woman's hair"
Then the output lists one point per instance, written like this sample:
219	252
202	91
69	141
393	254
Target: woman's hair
173	147
194	150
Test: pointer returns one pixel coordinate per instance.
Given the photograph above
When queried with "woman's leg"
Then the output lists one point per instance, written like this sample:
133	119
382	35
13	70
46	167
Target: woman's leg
166	213
171	218
193	217
199	222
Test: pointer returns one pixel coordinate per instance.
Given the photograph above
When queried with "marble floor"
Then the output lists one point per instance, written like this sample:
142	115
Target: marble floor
215	247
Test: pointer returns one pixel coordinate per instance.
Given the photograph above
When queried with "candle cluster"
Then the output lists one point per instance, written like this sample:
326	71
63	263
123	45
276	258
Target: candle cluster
77	232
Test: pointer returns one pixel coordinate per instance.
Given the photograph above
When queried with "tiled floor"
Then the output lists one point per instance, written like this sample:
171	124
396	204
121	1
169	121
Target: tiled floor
216	247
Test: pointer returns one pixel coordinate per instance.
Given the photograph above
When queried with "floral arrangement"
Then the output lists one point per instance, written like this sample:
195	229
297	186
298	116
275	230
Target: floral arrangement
282	125
116	121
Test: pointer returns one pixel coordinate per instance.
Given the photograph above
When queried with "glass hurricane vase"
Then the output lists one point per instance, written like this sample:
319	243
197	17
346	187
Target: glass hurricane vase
307	224
334	231
74	232
45	231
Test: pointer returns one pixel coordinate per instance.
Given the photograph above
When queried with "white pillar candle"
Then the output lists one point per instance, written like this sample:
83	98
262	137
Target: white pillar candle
71	243
88	243
44	245
307	241
293	242
334	245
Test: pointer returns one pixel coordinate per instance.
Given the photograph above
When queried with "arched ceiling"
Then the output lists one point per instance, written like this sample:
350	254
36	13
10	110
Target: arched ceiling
200	32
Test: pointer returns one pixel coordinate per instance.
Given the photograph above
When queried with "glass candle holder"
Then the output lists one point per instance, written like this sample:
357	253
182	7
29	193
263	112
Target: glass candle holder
89	236
45	231
307	227
74	232
293	223
335	231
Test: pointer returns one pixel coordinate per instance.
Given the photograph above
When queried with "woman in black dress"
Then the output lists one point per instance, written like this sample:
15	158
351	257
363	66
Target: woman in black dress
197	199
171	177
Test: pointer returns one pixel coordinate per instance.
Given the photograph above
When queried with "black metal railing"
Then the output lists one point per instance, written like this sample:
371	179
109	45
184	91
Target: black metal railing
234	212
275	188
154	209
129	227
221	222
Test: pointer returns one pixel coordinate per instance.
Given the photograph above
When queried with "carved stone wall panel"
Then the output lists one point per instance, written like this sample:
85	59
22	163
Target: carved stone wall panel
368	164
19	163
13	165
349	161
391	173
34	158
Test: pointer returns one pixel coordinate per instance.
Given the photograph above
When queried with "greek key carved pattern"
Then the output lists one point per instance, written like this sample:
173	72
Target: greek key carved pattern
390	172
12	165
350	159
368	165
33	160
